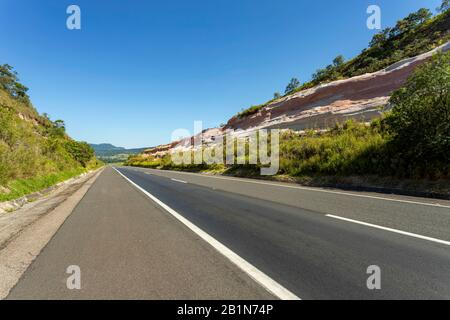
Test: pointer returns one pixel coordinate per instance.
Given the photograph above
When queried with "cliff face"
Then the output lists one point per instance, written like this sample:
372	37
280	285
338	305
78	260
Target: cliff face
361	98
322	106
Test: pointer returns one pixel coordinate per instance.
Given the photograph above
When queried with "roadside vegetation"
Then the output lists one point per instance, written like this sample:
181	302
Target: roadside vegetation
412	141
417	33
35	152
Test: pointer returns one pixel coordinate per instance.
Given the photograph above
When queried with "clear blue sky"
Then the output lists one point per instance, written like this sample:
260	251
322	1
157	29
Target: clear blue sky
137	70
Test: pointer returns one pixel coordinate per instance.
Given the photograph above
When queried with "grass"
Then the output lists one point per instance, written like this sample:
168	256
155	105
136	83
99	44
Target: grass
350	148
411	142
352	155
22	187
35	153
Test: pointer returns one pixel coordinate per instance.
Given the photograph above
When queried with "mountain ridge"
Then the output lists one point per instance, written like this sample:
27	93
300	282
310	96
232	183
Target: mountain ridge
110	153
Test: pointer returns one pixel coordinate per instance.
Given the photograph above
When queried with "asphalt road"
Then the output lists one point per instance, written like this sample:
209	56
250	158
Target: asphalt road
129	246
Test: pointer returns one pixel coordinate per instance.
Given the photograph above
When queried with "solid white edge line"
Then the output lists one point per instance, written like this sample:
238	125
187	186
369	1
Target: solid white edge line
176	180
264	280
391	230
309	189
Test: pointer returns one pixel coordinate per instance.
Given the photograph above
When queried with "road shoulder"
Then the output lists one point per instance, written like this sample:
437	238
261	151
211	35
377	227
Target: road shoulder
28	230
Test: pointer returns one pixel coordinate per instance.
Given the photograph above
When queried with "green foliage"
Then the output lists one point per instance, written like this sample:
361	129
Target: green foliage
338	61
22	187
80	151
411	36
331	72
34	151
249	111
420	119
417	33
411	141
10	83
292	85
444	6
25	153
351	148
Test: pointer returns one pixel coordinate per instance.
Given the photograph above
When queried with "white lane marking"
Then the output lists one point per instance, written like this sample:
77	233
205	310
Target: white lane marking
268	283
176	180
415	235
311	189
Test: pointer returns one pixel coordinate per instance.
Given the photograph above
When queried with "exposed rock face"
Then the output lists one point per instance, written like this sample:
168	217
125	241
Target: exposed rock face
159	151
361	98
322	106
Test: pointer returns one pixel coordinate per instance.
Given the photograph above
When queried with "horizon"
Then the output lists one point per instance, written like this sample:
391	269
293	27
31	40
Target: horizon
108	80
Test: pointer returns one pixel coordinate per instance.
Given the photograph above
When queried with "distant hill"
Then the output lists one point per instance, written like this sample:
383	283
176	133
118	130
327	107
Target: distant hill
110	153
105	147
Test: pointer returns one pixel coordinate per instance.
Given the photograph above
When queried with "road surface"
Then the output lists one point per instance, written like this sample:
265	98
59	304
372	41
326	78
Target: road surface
141	233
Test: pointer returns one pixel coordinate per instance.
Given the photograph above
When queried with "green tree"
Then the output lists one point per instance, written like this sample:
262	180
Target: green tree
444	6
60	124
410	22
338	61
420	118
57	129
276	95
80	151
293	84
9	82
380	38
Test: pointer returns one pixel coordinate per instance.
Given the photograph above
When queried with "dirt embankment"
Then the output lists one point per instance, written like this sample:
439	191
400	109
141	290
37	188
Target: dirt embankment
322	106
362	98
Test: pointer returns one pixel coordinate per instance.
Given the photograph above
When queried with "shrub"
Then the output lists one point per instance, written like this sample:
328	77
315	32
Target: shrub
80	151
420	119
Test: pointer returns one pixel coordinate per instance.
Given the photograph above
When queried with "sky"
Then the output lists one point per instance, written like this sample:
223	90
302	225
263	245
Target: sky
138	70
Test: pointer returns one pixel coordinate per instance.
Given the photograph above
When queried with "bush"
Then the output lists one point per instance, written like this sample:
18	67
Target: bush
351	148
80	151
249	111
420	119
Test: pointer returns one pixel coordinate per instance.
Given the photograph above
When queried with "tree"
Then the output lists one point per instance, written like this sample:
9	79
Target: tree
319	75
419	17
293	84
420	118
410	22
276	95
338	61
57	129
9	82
444	6
80	151
380	38
60	124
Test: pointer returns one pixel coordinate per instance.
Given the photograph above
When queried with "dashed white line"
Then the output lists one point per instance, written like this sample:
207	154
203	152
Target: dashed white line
264	280
176	180
314	189
415	235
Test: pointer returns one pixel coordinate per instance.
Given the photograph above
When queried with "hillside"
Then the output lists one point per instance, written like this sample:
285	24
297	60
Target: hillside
412	36
35	152
362	98
358	89
111	154
391	122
